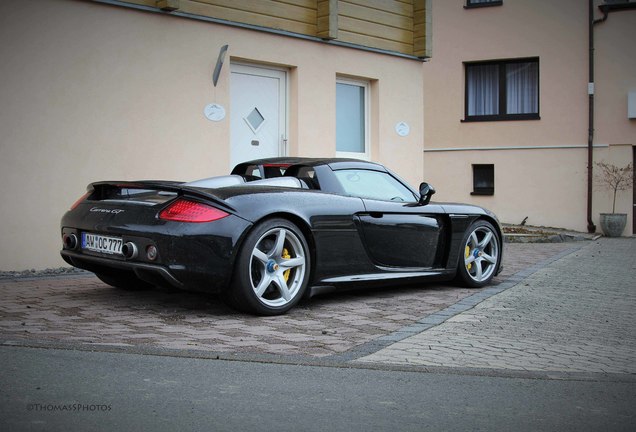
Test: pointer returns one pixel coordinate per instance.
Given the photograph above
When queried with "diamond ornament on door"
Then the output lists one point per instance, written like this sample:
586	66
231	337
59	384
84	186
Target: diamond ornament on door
254	120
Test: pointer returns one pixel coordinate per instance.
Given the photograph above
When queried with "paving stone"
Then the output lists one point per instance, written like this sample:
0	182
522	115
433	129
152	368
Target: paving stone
576	315
80	308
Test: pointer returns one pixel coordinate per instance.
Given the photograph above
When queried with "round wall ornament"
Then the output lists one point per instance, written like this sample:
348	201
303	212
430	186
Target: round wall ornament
402	129
214	112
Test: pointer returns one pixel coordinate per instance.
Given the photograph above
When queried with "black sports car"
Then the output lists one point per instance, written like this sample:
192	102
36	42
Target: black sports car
276	230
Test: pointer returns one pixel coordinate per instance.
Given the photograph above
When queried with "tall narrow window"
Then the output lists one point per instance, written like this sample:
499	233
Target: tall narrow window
502	90
482	85
352	118
522	88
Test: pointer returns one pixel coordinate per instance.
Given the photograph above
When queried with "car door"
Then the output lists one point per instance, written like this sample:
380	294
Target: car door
397	232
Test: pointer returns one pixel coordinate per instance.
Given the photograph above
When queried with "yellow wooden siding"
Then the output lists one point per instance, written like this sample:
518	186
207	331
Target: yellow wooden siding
309	4
375	30
142	2
392	6
381	17
423	33
419	29
327	19
394	25
373	42
277	14
379	24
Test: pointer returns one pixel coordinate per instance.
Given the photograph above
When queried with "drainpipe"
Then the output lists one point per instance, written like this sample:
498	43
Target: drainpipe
591	228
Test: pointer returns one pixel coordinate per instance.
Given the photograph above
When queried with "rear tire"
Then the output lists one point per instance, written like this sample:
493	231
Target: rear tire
480	255
272	269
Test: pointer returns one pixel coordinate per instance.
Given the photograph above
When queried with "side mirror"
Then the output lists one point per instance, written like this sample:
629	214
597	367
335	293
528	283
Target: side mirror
426	192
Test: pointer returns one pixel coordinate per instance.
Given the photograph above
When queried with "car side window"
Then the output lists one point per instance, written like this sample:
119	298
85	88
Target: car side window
373	185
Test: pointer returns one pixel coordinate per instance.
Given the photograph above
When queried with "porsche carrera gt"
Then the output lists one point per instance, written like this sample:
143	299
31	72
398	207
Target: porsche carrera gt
277	230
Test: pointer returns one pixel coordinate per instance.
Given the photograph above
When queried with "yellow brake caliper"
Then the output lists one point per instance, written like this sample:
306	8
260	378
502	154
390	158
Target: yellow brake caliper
286	255
469	266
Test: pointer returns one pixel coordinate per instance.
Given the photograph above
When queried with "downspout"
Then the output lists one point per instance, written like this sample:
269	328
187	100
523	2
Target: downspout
591	228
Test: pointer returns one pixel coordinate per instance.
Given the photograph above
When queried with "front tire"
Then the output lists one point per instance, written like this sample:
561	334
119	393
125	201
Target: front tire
272	269
481	255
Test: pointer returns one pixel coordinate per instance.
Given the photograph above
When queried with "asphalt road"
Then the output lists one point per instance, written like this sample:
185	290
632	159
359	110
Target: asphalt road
61	390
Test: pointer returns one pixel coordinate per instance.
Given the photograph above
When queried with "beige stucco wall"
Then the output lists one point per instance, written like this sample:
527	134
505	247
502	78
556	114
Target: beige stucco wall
615	73
523	185
547	185
93	92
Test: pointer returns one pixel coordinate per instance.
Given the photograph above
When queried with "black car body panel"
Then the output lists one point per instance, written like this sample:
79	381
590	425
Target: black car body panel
194	256
352	239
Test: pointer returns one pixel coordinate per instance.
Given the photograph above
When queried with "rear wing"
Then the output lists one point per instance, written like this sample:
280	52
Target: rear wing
152	192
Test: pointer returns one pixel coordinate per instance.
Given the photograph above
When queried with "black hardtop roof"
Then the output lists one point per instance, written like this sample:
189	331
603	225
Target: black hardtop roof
333	162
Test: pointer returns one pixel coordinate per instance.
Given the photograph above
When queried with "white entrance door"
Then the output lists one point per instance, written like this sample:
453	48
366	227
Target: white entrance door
258	113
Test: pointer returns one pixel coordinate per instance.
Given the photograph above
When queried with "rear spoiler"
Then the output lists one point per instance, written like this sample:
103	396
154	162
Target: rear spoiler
99	190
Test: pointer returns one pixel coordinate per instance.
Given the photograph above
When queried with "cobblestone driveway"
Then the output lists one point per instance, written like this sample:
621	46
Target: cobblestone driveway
80	309
576	315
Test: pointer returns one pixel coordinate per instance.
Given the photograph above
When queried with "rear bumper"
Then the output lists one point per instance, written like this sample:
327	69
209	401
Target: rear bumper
189	256
151	273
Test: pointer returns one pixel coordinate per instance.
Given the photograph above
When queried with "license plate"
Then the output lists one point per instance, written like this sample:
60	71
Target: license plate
102	244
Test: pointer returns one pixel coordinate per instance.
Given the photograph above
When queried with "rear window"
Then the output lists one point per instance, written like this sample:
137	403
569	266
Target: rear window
264	171
146	196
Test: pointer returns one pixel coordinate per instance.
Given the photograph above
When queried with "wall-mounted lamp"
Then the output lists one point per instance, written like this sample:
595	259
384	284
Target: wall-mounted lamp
219	65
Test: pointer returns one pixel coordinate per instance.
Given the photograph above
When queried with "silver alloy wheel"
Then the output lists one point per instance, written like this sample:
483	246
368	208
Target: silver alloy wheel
481	254
277	267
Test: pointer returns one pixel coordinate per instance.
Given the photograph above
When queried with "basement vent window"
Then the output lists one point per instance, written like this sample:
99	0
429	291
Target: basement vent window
481	3
483	179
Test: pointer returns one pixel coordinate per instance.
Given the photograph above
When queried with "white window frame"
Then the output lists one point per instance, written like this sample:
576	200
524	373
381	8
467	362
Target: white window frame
366	155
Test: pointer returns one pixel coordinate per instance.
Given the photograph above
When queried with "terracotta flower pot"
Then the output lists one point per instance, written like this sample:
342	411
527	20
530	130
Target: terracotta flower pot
613	224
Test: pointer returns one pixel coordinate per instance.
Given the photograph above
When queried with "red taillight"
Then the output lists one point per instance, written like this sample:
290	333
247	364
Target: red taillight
184	210
82	198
